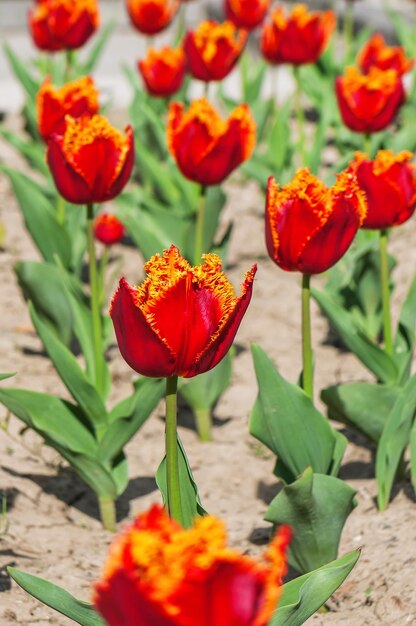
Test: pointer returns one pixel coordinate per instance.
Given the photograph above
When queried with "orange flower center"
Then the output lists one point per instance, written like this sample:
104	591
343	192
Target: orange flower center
307	187
247	127
375	80
171	57
71	92
240	7
384	160
347	186
209	34
74	8
204	113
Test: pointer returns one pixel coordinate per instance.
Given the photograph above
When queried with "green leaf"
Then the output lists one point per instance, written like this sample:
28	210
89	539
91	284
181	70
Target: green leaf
394	439
191	503
215	201
20	70
97	49
5	376
57	598
413	455
316	507
32	151
404	341
304	595
286	421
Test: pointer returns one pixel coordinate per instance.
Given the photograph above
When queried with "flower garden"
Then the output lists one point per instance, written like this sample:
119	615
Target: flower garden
207	395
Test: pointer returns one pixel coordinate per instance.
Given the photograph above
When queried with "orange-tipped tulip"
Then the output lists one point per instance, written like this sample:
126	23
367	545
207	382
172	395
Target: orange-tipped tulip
246	14
163	71
206	148
297	39
375	53
159	574
92	161
213	49
182	320
152	16
309	226
108	229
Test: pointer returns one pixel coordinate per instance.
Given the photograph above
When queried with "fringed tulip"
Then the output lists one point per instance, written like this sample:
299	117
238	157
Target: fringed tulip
159	574
309	226
389	183
297	39
375	53
213	49
152	16
63	24
76	98
181	321
163	71
108	229
369	102
246	14
206	148
92	161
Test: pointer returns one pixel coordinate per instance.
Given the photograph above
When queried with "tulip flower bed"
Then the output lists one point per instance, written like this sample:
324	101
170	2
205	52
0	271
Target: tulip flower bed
202	290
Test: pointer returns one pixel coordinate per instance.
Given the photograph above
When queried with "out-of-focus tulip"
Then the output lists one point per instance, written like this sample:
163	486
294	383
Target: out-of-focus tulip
369	102
76	98
63	24
206	148
213	49
246	13
389	183
108	229
163	71
297	39
92	161
309	226
375	53
152	16
181	321
159	574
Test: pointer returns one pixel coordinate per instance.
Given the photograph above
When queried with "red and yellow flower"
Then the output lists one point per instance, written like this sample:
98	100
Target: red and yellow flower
108	229
159	574
181	321
213	49
297	39
389	183
376	53
63	24
163	71
309	226
152	16
92	161
369	102
207	148
246	14
76	98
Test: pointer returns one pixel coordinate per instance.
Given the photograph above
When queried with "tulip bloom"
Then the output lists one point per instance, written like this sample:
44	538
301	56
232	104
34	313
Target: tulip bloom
76	98
92	161
246	13
213	49
181	321
297	39
369	102
108	229
376	53
163	71
389	183
63	24
206	148
151	16
309	226
159	573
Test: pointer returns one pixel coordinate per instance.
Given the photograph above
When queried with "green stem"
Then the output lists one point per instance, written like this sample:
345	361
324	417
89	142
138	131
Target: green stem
172	461
206	89
60	209
181	22
385	292
203	421
95	302
150	41
101	273
367	144
70	60
348	28
306	337
199	227
108	513
299	115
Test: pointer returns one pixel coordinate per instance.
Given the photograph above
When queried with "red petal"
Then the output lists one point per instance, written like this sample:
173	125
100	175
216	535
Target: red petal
69	183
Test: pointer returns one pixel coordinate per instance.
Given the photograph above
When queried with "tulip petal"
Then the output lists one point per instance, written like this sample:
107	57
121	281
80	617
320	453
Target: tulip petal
68	182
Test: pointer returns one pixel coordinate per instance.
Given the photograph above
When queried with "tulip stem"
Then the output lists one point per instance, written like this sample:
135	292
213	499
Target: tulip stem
204	424
95	301
101	273
385	293
199	227
60	209
70	59
299	115
367	144
172	460
307	377
108	513
348	28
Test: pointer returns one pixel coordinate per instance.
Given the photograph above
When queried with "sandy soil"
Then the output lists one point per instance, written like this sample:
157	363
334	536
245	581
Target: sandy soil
52	528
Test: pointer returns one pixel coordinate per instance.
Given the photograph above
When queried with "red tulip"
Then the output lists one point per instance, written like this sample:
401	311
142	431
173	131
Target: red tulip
206	148
376	53
213	49
246	13
389	183
63	24
159	574
309	227
369	102
163	71
297	39
77	98
108	229
181	321
92	161
152	16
